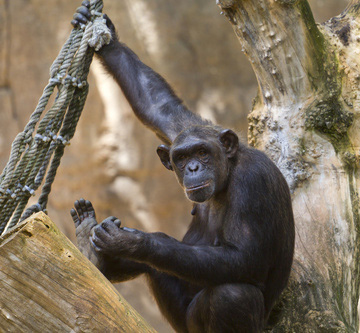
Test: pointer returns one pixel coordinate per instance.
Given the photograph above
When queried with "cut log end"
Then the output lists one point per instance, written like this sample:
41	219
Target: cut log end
47	285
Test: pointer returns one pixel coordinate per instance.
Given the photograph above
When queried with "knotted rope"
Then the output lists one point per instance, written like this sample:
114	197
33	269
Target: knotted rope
36	151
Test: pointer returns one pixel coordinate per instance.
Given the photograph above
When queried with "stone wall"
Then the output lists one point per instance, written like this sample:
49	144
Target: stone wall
112	159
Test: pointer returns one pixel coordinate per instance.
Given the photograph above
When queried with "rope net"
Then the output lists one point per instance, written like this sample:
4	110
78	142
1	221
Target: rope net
37	150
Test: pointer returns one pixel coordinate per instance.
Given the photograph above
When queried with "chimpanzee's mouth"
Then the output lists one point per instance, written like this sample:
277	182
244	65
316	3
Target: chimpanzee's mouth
197	187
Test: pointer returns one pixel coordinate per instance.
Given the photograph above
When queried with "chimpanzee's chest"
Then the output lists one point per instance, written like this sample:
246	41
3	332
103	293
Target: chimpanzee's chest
206	228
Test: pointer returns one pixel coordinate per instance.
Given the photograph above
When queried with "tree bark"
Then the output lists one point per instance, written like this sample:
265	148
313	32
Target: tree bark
306	118
47	285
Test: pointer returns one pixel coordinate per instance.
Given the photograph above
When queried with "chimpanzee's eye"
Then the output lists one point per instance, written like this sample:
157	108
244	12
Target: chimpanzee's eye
203	153
180	160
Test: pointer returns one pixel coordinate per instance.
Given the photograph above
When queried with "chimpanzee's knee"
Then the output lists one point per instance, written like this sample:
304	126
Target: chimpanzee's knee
227	308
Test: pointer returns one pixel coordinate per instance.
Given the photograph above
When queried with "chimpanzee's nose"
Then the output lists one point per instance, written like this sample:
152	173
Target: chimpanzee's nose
193	166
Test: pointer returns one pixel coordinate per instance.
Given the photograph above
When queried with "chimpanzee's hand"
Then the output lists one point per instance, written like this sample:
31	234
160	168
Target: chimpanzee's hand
111	26
109	238
83	15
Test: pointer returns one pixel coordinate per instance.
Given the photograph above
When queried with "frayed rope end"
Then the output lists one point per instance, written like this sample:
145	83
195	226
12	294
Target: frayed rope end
101	34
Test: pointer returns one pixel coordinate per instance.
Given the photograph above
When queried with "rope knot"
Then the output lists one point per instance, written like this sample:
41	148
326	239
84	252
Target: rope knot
62	141
27	188
11	194
42	138
101	34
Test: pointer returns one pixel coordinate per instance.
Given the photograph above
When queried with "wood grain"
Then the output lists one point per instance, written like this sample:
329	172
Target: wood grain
47	285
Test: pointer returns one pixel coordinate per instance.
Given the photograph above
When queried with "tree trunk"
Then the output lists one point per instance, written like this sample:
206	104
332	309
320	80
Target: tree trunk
47	285
306	118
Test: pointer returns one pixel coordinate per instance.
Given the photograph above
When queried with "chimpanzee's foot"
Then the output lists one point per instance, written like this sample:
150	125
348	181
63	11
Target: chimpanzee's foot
84	218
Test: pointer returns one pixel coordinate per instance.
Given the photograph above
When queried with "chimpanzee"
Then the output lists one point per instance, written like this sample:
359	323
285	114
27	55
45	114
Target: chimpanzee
235	259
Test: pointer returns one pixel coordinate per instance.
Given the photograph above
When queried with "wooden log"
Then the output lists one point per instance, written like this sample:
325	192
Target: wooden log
47	285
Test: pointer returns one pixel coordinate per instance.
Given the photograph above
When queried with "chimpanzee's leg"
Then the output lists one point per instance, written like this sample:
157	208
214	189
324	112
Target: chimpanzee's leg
173	297
237	308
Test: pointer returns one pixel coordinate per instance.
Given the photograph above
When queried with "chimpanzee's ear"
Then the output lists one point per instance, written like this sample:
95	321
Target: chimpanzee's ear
164	154
230	141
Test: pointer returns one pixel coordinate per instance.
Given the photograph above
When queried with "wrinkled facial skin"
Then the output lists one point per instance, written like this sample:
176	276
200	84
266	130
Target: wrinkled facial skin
201	167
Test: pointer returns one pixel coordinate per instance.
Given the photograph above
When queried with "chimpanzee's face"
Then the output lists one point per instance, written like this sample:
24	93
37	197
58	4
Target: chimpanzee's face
201	166
200	158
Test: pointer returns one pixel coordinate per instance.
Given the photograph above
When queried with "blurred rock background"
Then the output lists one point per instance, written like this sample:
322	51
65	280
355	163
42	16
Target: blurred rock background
112	159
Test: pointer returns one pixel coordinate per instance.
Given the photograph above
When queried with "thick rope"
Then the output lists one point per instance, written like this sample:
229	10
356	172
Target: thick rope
36	151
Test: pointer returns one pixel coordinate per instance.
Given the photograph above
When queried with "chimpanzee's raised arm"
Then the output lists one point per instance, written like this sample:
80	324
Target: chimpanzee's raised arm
151	97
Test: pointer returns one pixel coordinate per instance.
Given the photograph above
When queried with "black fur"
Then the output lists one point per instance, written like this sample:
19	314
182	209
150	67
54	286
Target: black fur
235	259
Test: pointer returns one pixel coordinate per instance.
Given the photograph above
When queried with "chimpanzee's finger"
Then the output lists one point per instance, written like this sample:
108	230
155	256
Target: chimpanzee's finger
86	3
78	208
84	11
74	23
80	18
108	226
94	241
75	217
84	210
129	229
